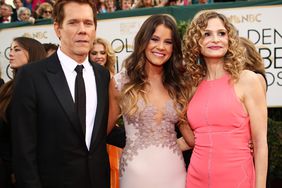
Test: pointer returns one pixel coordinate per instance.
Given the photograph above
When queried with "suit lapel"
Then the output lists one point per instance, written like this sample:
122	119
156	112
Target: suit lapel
59	84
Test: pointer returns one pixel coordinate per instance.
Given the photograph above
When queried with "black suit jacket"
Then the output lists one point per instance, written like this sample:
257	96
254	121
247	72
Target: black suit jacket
49	149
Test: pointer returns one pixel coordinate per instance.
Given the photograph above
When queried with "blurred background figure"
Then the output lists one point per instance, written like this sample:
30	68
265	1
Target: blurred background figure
6	14
201	1
24	15
23	50
171	3
28	4
35	4
44	11
144	4
111	5
126	4
254	61
50	48
52	2
103	54
17	4
101	6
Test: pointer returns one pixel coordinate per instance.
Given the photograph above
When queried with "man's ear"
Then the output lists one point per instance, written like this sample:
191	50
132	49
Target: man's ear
57	29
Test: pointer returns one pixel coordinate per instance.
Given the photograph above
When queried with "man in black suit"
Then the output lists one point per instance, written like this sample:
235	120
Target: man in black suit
52	146
18	4
6	13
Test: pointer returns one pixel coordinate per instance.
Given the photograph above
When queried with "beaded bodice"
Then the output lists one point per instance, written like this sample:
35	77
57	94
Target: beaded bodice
148	127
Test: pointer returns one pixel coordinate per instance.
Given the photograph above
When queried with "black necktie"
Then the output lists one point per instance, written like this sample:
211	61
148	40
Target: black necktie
80	96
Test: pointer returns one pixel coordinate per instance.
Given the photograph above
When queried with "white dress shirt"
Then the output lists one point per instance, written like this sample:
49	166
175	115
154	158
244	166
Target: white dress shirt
68	65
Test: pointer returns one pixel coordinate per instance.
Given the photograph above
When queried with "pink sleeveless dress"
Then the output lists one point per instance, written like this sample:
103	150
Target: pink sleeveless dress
221	157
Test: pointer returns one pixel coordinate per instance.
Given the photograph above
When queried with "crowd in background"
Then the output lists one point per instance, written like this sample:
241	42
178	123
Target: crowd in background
217	56
31	10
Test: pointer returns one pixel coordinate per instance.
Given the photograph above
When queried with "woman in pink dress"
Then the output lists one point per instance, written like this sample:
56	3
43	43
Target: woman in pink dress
227	110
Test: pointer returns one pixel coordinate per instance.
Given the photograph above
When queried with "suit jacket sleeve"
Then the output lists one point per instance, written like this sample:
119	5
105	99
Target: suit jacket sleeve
117	137
23	117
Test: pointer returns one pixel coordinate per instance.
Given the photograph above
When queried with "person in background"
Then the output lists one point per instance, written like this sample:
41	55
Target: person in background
28	4
6	14
202	2
126	4
111	5
44	11
101	6
103	54
35	4
59	109
22	51
254	61
171	3
52	2
17	4
24	15
144	4
227	110
151	93
50	48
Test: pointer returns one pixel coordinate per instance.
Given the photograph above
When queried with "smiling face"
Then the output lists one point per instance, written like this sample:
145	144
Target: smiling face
98	54
214	43
159	48
77	31
25	15
18	56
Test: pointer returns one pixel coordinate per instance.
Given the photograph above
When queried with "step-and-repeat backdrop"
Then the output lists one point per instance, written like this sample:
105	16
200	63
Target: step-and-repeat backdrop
258	23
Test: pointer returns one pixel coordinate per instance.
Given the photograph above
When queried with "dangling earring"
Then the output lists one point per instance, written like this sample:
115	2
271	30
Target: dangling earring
198	61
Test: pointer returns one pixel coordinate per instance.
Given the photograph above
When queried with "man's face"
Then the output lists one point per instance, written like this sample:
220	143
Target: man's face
77	31
18	3
6	11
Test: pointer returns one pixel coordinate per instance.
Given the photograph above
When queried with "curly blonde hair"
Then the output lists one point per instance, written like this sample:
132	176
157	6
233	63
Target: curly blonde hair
111	57
196	67
174	71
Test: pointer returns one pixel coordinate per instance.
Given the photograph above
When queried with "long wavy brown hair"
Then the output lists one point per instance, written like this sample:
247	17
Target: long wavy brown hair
35	52
174	79
196	67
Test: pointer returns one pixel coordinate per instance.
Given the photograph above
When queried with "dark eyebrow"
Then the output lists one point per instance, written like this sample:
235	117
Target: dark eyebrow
16	46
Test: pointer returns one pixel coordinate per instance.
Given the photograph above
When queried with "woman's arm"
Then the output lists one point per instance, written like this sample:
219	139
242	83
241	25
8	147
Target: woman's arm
114	109
255	103
182	144
262	83
188	136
